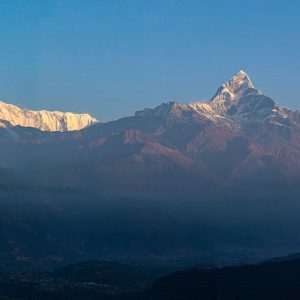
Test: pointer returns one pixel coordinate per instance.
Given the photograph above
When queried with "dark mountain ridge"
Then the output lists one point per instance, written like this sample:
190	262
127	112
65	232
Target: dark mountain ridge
93	279
276	281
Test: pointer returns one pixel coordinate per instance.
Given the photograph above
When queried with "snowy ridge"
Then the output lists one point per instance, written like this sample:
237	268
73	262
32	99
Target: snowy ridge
11	115
232	91
235	101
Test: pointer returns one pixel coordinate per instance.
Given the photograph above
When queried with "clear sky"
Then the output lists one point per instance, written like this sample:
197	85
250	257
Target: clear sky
113	57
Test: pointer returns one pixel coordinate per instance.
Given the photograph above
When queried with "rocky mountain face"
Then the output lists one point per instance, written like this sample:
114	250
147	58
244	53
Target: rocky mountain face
235	101
238	135
238	139
231	163
11	115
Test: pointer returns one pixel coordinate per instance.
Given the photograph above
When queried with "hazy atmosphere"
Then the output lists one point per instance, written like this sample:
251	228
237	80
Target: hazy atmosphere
149	149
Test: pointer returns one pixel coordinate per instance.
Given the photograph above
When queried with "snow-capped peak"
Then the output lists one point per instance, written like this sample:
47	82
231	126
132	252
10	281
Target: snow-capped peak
237	86
236	100
11	115
230	92
239	82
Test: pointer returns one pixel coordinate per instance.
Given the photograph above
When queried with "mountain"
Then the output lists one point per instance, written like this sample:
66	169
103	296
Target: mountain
42	227
105	280
11	115
86	280
213	181
276	281
236	101
238	138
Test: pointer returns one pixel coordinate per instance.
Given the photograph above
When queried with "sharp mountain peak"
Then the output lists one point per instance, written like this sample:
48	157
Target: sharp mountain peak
236	100
240	78
236	87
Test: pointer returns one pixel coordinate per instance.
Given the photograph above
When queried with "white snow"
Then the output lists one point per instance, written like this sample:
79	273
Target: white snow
11	115
235	101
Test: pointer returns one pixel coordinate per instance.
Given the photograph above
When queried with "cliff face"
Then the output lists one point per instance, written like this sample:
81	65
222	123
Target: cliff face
11	115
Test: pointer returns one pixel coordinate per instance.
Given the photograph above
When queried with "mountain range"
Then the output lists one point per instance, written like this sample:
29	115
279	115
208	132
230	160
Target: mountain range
88	280
11	115
237	133
213	181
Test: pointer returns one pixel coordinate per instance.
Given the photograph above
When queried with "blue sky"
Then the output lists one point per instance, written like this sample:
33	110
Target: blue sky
113	57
